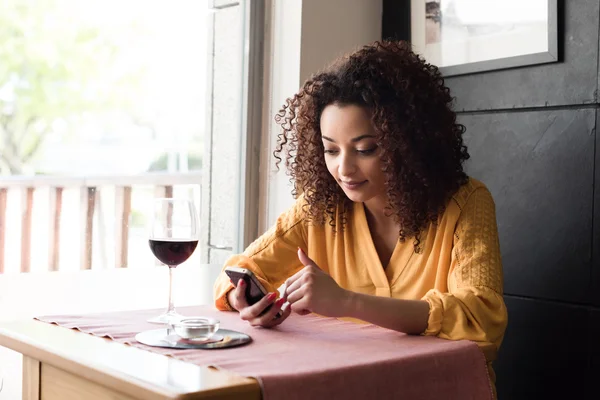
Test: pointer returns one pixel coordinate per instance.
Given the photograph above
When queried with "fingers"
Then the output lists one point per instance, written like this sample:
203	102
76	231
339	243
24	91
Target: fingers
286	313
297	294
269	319
290	281
300	300
307	262
304	258
310	268
293	286
255	314
239	296
306	277
301	306
254	311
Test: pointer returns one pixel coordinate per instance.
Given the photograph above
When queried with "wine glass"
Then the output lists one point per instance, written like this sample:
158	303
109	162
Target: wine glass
173	238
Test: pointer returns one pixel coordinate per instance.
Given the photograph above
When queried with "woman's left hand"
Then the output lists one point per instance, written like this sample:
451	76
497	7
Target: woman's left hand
312	290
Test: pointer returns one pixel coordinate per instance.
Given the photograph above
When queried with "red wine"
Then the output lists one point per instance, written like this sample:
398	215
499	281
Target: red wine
172	252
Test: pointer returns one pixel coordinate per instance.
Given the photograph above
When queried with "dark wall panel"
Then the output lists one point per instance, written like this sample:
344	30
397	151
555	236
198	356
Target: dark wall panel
532	134
572	81
539	167
595	285
395	21
544	353
593	370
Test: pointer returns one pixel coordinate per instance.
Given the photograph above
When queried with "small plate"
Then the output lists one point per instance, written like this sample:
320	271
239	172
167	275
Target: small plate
223	338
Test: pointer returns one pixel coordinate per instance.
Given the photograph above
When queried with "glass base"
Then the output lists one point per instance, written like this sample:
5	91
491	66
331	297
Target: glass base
165	318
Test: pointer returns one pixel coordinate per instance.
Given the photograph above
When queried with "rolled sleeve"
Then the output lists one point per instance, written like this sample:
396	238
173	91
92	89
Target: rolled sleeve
473	308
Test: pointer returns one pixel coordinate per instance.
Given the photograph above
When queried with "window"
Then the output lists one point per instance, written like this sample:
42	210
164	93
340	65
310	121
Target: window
105	104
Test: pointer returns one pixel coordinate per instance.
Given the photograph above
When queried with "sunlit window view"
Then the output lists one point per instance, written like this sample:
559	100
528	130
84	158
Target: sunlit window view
82	83
103	106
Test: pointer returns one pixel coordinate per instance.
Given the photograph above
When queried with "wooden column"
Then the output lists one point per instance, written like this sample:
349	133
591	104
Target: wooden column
54	228
122	210
163	191
27	211
169	194
88	203
3	196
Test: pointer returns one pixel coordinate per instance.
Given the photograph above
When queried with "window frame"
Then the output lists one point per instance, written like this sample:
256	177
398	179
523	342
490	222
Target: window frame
246	194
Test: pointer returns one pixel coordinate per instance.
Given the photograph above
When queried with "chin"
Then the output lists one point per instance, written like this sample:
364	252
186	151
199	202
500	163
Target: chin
356	197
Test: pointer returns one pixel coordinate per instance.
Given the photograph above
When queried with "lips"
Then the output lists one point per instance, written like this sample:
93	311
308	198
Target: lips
352	185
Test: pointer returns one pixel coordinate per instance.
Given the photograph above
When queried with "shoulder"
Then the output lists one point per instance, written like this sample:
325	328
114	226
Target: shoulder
295	215
289	223
472	191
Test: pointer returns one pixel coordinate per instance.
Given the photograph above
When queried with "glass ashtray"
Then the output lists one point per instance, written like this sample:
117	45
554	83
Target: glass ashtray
195	328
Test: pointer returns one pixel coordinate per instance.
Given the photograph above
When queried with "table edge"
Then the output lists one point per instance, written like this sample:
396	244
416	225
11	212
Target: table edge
13	336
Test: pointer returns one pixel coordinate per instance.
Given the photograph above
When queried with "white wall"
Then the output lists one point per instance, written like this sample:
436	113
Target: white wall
303	37
331	28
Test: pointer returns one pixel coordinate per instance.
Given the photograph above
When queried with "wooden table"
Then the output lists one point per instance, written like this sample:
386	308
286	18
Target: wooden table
64	364
24	296
60	363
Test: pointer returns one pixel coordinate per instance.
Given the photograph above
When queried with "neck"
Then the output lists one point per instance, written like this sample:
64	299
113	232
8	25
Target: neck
375	209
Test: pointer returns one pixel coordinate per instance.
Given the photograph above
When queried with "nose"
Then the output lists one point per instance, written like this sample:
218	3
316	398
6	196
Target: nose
347	165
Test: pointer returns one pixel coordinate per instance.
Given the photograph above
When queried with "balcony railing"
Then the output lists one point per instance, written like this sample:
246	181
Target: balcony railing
162	185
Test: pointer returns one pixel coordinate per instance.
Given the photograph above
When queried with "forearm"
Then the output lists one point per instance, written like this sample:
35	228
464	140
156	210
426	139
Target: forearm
408	316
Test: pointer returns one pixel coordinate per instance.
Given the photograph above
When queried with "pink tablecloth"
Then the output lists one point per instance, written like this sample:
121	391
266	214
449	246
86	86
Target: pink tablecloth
311	357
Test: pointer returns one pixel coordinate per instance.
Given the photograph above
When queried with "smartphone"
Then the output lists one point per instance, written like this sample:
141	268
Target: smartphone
254	289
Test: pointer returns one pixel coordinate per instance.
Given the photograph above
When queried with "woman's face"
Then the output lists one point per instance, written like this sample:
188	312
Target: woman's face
351	154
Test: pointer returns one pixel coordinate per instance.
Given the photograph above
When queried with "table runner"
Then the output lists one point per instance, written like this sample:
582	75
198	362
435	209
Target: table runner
313	357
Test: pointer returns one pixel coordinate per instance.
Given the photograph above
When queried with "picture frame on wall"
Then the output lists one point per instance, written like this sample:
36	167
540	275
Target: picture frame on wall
469	36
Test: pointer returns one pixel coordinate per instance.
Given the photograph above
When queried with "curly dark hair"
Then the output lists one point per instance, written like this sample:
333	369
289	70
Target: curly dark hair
415	126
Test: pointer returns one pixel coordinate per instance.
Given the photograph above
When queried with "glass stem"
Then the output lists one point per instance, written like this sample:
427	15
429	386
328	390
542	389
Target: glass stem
171	309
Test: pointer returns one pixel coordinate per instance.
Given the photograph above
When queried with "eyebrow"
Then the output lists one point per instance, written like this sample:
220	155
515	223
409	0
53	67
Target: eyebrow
354	140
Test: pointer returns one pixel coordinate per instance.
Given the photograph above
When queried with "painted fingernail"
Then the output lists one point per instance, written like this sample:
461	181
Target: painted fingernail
241	283
280	302
271	296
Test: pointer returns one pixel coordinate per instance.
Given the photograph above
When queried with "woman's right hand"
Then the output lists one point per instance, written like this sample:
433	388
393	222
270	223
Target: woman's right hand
252	313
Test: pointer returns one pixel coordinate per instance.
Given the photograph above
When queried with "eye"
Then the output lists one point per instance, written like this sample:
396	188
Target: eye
367	152
327	151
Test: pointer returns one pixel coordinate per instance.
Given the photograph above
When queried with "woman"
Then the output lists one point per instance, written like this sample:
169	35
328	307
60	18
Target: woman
388	228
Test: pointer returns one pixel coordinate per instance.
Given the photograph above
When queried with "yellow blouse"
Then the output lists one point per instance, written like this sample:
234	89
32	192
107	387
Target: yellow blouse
458	272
